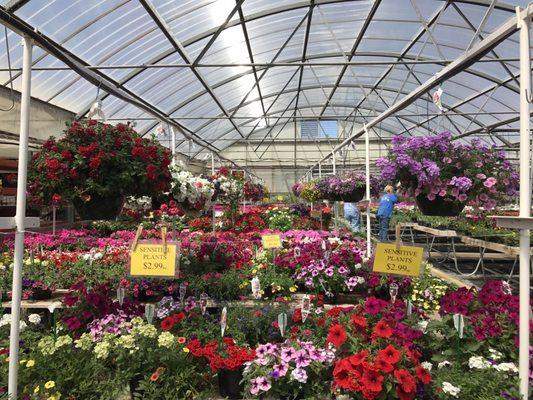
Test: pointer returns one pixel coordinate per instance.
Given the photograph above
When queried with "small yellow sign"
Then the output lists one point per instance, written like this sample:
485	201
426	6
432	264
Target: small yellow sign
150	259
402	260
271	241
280	198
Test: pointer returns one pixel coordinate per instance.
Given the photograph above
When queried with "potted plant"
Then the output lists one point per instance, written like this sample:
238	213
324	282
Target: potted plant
291	370
444	176
192	192
96	166
349	187
226	359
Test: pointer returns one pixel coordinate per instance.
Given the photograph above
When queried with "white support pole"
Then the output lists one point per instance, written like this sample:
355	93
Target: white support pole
320	170
335	203
173	144
19	218
212	163
367	172
525	202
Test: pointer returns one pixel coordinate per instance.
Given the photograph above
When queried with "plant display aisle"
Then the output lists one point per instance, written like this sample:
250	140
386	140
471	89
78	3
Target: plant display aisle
159	338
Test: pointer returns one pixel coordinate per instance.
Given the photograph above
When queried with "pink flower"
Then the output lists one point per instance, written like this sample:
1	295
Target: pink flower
490	182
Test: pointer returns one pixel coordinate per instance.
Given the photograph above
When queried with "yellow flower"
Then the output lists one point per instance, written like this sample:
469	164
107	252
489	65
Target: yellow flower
36	390
49	384
292	289
186	350
30	363
254	271
22	362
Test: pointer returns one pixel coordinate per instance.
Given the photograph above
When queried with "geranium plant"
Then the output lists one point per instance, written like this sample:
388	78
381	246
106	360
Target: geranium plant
97	165
435	167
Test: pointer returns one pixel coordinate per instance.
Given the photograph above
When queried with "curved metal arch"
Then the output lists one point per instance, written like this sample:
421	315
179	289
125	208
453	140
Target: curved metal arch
253	17
502	83
311	87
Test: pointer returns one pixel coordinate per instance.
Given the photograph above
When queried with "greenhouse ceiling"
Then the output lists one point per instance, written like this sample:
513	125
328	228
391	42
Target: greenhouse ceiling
230	70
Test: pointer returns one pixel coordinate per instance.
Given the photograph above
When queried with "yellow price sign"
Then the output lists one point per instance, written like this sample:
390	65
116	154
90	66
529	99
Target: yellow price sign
398	260
271	241
280	198
151	259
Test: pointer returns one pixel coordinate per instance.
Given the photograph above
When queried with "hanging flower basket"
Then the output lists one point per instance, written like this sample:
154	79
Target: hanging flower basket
99	207
440	206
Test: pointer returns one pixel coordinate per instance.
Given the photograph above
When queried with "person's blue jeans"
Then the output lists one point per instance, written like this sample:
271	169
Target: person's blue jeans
355	221
384	229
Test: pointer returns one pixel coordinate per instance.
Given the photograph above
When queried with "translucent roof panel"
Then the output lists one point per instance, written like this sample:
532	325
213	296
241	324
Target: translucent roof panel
220	67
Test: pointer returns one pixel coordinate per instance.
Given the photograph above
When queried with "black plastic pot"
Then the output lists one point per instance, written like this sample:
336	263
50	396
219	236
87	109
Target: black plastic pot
99	207
229	384
40	294
441	206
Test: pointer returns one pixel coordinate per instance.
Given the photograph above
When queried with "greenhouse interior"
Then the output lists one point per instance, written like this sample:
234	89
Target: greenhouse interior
266	199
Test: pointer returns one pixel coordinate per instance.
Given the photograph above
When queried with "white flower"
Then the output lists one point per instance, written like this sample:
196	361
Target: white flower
495	354
448	388
165	339
478	362
427	365
506	367
35	319
423	325
443	364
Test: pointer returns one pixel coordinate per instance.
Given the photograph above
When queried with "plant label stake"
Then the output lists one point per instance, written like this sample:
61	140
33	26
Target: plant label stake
32	258
323	245
182	291
297	252
282	323
223	320
120	295
409	307
203	302
327	255
149	312
393	291
256	287
459	324
306	307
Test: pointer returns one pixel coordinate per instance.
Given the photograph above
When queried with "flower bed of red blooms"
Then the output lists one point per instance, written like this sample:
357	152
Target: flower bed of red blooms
98	159
377	354
221	355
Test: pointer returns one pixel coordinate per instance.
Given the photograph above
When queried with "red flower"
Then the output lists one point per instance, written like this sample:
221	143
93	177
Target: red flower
344	376
297	315
52	164
359	358
359	322
382	329
405	395
423	374
336	335
389	354
151	170
167	324
67	155
321	322
154	377
372	380
177	318
406	380
383	366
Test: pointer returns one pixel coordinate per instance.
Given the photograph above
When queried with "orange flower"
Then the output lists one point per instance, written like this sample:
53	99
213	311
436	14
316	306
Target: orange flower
181	340
155	376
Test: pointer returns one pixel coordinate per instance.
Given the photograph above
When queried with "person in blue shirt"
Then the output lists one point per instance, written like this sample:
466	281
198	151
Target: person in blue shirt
353	216
385	209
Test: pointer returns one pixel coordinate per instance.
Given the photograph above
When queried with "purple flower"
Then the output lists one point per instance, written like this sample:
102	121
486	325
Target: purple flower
280	370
